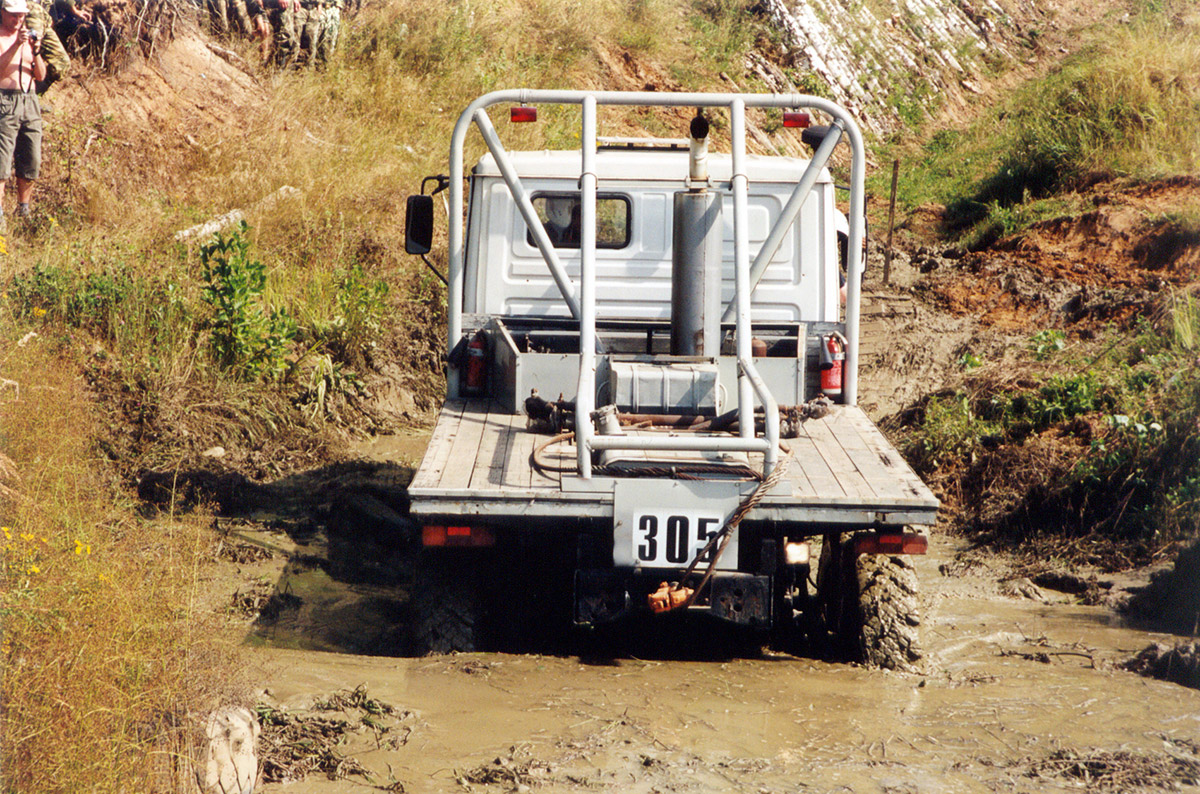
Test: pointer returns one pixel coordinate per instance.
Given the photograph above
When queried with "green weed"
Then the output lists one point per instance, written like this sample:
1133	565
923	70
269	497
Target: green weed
247	337
1123	426
950	430
1046	343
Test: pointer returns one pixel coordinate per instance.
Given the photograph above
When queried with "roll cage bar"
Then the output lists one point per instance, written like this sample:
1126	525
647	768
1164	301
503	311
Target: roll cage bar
582	304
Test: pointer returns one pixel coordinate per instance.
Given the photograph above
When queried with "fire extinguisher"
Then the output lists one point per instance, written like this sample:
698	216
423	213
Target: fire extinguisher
833	356
476	379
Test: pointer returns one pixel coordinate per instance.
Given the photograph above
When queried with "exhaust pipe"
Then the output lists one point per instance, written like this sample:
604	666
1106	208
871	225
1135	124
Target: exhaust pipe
696	256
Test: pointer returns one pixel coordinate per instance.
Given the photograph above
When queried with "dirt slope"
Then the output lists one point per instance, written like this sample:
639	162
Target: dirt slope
156	111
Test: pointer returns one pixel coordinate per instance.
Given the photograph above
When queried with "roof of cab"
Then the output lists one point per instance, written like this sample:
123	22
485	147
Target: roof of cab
646	165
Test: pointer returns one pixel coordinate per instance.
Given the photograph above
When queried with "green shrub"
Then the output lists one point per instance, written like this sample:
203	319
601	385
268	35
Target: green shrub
247	337
355	328
949	431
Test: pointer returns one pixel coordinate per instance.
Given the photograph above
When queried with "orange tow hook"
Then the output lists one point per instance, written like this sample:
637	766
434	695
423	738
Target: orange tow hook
664	599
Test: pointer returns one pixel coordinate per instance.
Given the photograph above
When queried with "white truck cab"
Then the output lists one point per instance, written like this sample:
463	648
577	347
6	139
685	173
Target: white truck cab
506	274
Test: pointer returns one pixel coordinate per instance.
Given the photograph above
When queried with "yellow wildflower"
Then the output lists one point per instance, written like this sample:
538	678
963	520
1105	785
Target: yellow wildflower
33	569
38	311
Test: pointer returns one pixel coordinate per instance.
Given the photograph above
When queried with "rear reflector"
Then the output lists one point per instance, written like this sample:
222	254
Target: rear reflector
796	118
891	543
522	113
436	535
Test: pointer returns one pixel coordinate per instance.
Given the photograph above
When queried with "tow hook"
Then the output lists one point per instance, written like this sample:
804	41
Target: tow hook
664	599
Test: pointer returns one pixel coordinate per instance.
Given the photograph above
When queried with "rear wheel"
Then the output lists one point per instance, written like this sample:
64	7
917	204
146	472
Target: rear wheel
446	606
869	606
794	621
888	619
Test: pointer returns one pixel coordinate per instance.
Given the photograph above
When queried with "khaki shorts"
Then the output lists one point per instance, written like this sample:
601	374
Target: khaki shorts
20	134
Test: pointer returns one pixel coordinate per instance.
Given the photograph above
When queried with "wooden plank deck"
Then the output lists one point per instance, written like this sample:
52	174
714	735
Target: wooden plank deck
480	454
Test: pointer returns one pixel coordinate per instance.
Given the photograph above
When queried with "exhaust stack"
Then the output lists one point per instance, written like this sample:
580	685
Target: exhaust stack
696	256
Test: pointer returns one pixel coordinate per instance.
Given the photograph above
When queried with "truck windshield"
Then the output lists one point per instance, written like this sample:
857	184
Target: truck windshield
559	214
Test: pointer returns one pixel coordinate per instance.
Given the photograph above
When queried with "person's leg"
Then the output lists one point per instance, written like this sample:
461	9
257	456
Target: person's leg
24	194
8	141
27	155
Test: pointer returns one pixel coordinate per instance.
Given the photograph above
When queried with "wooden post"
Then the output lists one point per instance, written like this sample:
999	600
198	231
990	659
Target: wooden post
887	255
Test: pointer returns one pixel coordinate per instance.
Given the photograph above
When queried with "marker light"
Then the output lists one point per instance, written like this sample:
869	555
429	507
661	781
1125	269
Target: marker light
796	118
522	114
432	535
890	543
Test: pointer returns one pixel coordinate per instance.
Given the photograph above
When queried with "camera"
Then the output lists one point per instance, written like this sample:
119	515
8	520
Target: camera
33	37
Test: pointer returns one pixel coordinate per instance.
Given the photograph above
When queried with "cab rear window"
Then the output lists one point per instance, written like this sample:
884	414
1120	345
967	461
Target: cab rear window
559	214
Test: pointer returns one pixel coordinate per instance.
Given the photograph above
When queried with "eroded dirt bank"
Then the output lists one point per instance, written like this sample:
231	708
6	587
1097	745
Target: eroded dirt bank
1018	695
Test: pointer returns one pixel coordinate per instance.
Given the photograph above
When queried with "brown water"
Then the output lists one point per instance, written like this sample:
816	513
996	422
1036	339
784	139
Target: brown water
983	713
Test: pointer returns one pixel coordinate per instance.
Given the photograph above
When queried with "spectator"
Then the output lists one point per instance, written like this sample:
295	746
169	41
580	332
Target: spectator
331	24
309	20
21	67
53	52
281	14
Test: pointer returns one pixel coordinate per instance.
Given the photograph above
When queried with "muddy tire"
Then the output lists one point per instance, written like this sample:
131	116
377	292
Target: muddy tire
888	614
446	607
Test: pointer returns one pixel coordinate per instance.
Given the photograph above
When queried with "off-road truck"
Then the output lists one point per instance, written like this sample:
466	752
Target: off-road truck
652	383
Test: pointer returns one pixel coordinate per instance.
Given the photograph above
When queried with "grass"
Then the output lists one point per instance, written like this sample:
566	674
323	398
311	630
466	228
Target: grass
104	654
1127	104
140	351
1106	448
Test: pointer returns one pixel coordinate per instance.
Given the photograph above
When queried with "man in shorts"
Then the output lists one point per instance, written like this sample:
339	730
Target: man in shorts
21	67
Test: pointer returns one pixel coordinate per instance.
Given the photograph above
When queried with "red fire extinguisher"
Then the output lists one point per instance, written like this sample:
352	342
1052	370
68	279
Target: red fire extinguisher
833	356
476	378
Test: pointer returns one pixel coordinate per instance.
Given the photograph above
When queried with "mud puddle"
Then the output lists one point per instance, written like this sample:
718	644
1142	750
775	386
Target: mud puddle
1017	695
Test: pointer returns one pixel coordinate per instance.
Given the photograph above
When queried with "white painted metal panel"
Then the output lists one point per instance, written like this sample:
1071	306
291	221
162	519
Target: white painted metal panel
634	282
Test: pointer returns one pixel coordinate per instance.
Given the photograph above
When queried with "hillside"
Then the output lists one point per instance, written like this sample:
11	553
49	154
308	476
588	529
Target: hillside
163	398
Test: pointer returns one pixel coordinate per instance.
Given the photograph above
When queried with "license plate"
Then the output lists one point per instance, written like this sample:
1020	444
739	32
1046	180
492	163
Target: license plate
665	538
665	524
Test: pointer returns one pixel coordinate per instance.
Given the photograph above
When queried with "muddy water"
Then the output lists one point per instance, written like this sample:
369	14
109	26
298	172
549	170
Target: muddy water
1009	682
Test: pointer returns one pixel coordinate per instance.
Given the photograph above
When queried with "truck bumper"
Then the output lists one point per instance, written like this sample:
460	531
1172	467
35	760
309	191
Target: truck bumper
612	594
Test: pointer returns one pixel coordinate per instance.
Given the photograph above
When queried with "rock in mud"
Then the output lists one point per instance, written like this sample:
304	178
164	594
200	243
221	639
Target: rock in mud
231	760
1023	588
1179	664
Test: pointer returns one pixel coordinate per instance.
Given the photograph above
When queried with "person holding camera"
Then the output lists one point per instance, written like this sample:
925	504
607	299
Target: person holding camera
21	67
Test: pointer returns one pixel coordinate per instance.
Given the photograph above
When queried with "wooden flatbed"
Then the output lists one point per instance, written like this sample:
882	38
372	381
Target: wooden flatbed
842	471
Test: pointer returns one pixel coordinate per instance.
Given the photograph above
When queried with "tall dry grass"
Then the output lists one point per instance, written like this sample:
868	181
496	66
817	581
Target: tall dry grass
105	651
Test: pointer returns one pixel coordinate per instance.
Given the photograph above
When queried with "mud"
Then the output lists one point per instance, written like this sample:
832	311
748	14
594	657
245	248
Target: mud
1013	694
1022	687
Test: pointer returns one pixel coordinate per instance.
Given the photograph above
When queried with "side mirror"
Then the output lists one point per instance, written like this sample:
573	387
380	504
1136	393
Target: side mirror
418	225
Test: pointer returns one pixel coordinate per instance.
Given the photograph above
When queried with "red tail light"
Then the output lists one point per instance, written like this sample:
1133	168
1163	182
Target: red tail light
890	543
522	114
437	535
796	118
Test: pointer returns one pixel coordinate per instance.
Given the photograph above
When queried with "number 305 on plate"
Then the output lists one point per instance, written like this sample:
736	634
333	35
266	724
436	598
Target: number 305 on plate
674	538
